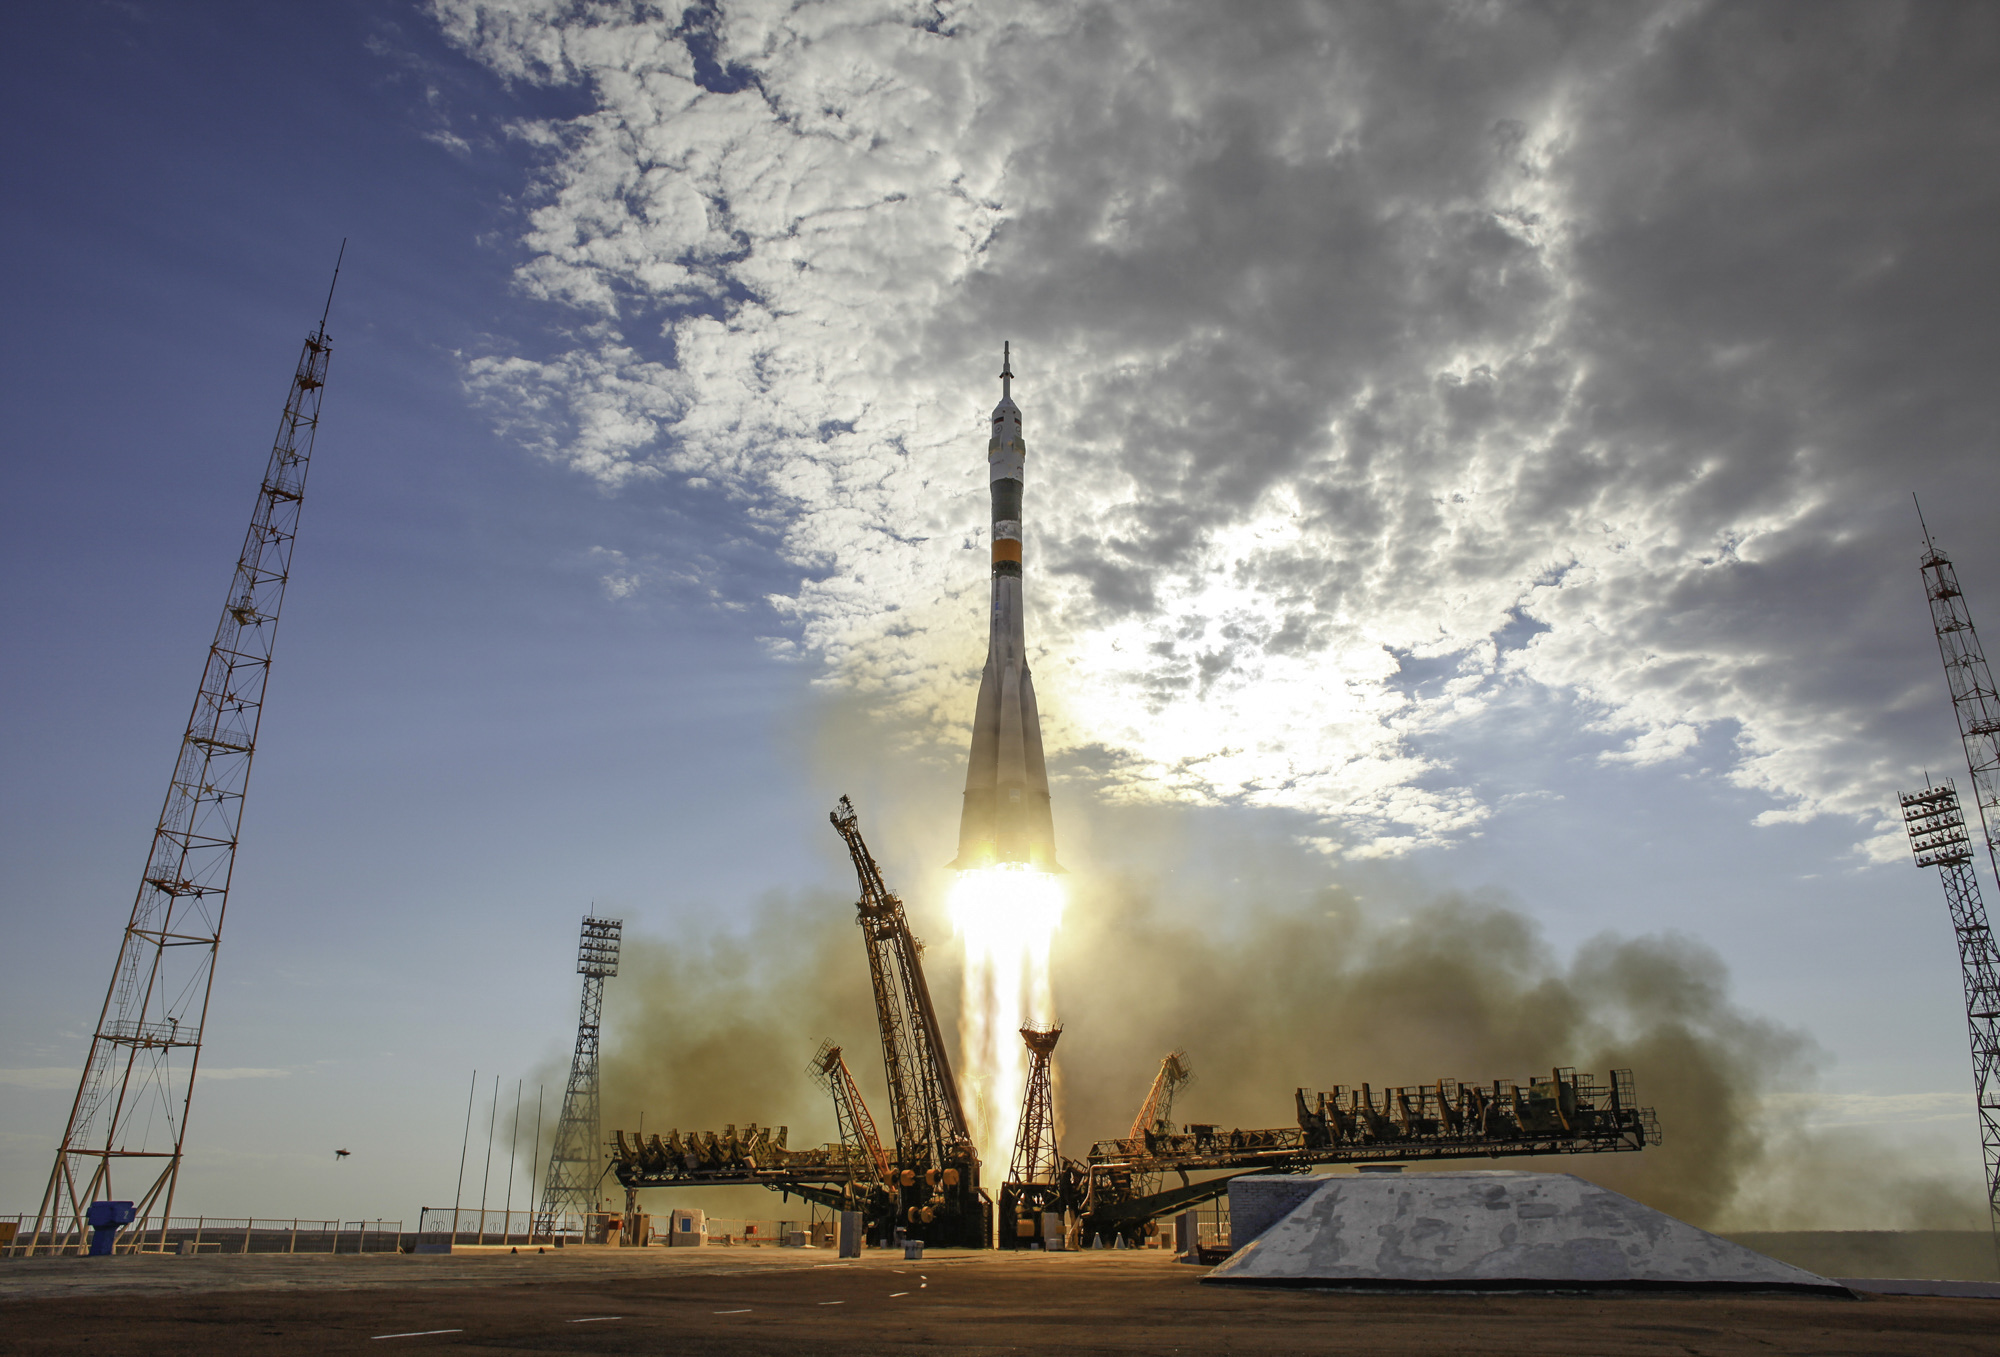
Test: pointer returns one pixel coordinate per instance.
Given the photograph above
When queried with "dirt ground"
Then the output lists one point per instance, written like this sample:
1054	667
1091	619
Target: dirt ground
794	1302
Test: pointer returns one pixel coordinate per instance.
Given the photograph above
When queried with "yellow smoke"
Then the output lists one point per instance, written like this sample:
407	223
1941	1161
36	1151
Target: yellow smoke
1006	918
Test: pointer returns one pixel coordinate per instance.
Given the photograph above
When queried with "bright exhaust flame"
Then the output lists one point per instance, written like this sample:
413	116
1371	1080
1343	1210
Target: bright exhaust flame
1006	917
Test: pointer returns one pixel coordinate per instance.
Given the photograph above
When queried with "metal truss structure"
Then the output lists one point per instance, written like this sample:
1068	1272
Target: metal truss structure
1974	702
936	1161
137	1090
1112	1193
1938	838
1039	1179
1036	1155
850	1114
1156	1113
576	1162
1566	1113
924	1105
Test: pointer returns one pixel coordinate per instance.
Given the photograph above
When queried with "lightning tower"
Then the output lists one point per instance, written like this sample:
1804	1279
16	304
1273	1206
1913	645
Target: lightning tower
1940	837
576	1163
132	1103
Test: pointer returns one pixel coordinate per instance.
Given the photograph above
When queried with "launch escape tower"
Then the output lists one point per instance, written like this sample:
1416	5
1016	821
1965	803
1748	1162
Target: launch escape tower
937	1166
137	1089
1940	838
576	1163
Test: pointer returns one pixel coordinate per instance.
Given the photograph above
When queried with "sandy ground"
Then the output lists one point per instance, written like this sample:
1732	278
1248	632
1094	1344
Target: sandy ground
793	1302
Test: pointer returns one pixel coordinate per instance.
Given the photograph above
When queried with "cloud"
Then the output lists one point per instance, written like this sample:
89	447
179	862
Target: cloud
1588	350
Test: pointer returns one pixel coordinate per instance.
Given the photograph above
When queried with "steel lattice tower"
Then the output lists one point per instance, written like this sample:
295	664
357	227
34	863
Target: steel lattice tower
133	1100
1036	1157
576	1164
1973	700
857	1128
1938	833
1938	838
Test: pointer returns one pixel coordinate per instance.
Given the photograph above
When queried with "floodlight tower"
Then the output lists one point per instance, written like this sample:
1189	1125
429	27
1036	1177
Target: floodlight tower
1940	837
576	1164
137	1089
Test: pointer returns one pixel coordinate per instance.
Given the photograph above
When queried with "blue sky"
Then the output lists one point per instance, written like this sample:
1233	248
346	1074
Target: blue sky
1469	461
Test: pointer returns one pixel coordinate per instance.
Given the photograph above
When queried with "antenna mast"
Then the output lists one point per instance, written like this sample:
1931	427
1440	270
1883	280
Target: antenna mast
133	1101
576	1162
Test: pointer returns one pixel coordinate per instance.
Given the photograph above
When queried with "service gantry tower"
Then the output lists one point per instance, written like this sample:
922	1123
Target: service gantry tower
137	1089
850	1114
1939	836
577	1162
936	1163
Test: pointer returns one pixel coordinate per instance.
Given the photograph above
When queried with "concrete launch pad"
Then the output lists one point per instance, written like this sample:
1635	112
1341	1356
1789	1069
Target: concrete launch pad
794	1302
1488	1230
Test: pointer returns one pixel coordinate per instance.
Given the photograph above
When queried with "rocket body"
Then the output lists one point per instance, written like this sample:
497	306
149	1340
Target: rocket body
1006	819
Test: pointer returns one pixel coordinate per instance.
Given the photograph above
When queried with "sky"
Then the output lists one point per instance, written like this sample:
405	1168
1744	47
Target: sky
1471	450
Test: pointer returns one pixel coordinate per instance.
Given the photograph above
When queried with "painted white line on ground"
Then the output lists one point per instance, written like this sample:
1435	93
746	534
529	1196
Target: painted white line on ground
419	1333
729	1312
594	1319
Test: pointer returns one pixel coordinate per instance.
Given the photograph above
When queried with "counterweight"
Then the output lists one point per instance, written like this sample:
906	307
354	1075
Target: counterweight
133	1101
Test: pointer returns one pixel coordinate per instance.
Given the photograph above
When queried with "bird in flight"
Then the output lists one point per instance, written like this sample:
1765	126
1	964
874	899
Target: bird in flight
340	1154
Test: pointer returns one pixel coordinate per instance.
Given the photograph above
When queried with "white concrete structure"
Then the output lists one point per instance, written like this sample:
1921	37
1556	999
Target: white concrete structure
1480	1231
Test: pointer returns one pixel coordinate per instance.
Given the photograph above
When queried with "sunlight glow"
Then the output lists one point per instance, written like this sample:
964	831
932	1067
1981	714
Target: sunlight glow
1006	918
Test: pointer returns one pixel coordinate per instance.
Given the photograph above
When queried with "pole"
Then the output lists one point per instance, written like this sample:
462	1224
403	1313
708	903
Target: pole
513	1148
459	1195
535	1162
492	1120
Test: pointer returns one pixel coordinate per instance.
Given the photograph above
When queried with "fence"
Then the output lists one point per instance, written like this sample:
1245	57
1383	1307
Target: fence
211	1234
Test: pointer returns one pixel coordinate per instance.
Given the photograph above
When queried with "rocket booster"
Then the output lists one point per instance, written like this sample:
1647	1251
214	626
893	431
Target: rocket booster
1006	817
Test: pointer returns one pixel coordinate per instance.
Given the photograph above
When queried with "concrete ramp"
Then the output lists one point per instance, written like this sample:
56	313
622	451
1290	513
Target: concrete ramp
1482	1231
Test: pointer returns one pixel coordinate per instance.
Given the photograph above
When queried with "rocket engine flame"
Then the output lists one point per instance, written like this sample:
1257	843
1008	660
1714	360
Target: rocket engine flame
1006	918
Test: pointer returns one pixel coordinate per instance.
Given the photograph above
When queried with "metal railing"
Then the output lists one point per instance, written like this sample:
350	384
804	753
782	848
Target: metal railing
192	1235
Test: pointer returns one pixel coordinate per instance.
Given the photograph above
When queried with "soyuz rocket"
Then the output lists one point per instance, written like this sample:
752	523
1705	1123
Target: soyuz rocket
1006	819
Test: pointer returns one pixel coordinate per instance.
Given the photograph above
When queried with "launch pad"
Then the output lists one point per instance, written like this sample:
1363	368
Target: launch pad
926	1184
